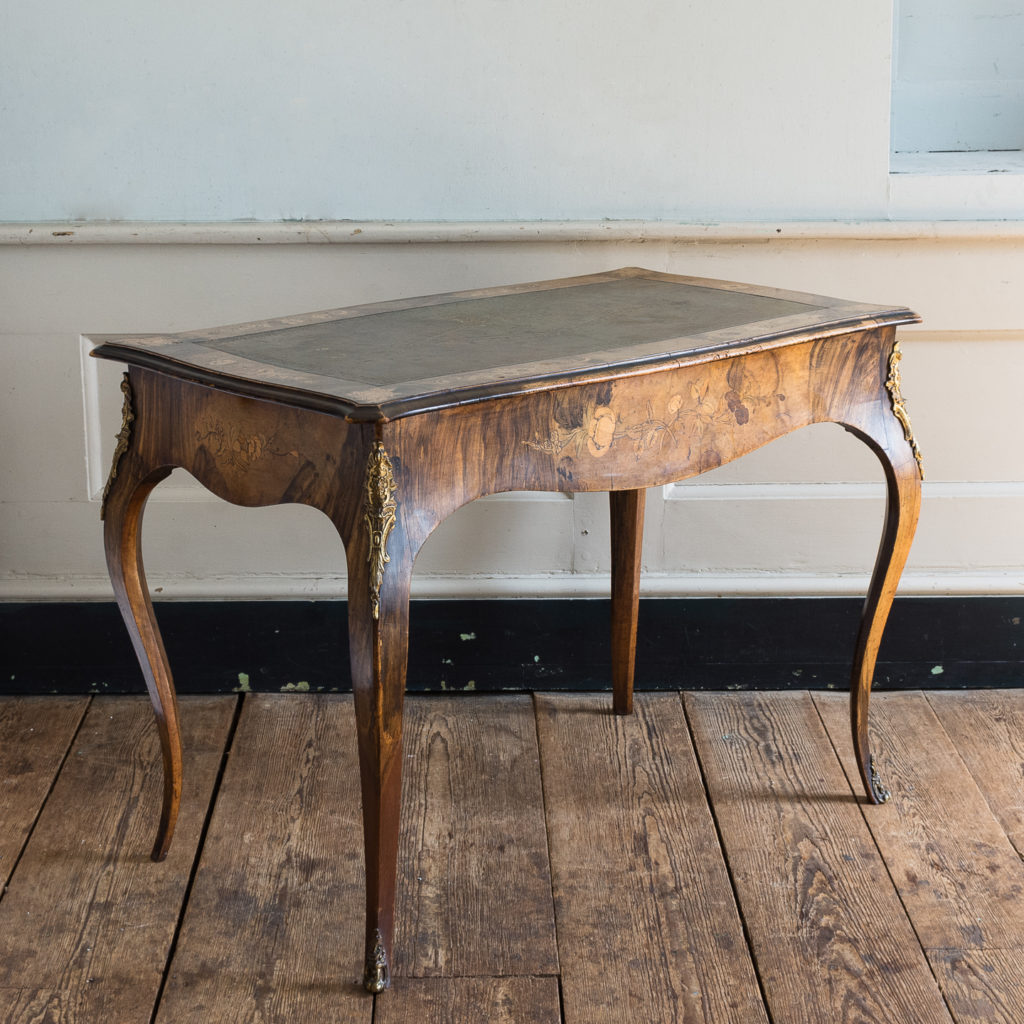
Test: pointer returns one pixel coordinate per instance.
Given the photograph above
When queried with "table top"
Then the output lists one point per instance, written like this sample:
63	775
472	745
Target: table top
383	360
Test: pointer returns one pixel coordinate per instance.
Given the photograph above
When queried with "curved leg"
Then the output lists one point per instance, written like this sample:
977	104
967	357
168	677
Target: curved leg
627	513
379	573
124	502
903	502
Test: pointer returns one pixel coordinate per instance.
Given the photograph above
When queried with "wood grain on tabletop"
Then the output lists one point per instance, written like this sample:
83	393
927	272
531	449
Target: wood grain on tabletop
476	342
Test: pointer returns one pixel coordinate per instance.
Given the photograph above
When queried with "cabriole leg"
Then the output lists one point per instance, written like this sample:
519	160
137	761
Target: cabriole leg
124	501
379	572
893	442
903	483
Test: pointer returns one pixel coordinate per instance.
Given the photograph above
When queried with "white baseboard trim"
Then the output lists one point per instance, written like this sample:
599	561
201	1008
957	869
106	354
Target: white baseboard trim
440	232
186	491
937	490
1008	581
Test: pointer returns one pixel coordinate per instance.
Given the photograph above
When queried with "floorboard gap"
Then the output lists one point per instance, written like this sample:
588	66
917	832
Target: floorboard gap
43	802
986	795
859	799
228	742
547	840
725	858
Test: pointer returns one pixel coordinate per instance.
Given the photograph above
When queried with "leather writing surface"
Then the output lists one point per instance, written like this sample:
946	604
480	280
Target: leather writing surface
413	355
396	347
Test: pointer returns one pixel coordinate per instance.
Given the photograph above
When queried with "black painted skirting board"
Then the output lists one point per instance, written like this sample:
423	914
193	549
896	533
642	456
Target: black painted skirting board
464	646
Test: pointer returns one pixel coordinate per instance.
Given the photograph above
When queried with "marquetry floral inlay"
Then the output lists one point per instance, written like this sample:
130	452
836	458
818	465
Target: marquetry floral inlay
234	447
681	420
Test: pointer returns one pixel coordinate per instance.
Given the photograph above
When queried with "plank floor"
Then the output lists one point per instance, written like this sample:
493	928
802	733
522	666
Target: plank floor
708	858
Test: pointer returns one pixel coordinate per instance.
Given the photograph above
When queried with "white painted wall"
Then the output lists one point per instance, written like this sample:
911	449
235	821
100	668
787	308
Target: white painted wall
801	516
443	109
679	113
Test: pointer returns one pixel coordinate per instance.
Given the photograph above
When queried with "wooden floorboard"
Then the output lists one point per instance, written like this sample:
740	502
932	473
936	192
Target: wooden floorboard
909	913
521	1000
273	930
958	875
34	737
987	729
826	927
88	919
982	985
647	923
473	842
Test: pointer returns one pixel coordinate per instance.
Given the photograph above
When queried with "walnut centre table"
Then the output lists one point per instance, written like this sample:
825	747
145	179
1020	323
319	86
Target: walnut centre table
388	417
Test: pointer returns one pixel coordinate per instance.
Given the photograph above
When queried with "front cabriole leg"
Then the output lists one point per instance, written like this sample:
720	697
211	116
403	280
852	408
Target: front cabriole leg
379	572
890	436
133	475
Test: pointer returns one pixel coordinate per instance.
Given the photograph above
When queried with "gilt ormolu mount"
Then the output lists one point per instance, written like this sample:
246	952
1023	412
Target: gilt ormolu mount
391	416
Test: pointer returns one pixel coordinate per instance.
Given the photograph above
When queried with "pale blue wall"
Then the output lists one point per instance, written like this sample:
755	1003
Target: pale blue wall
959	75
443	109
